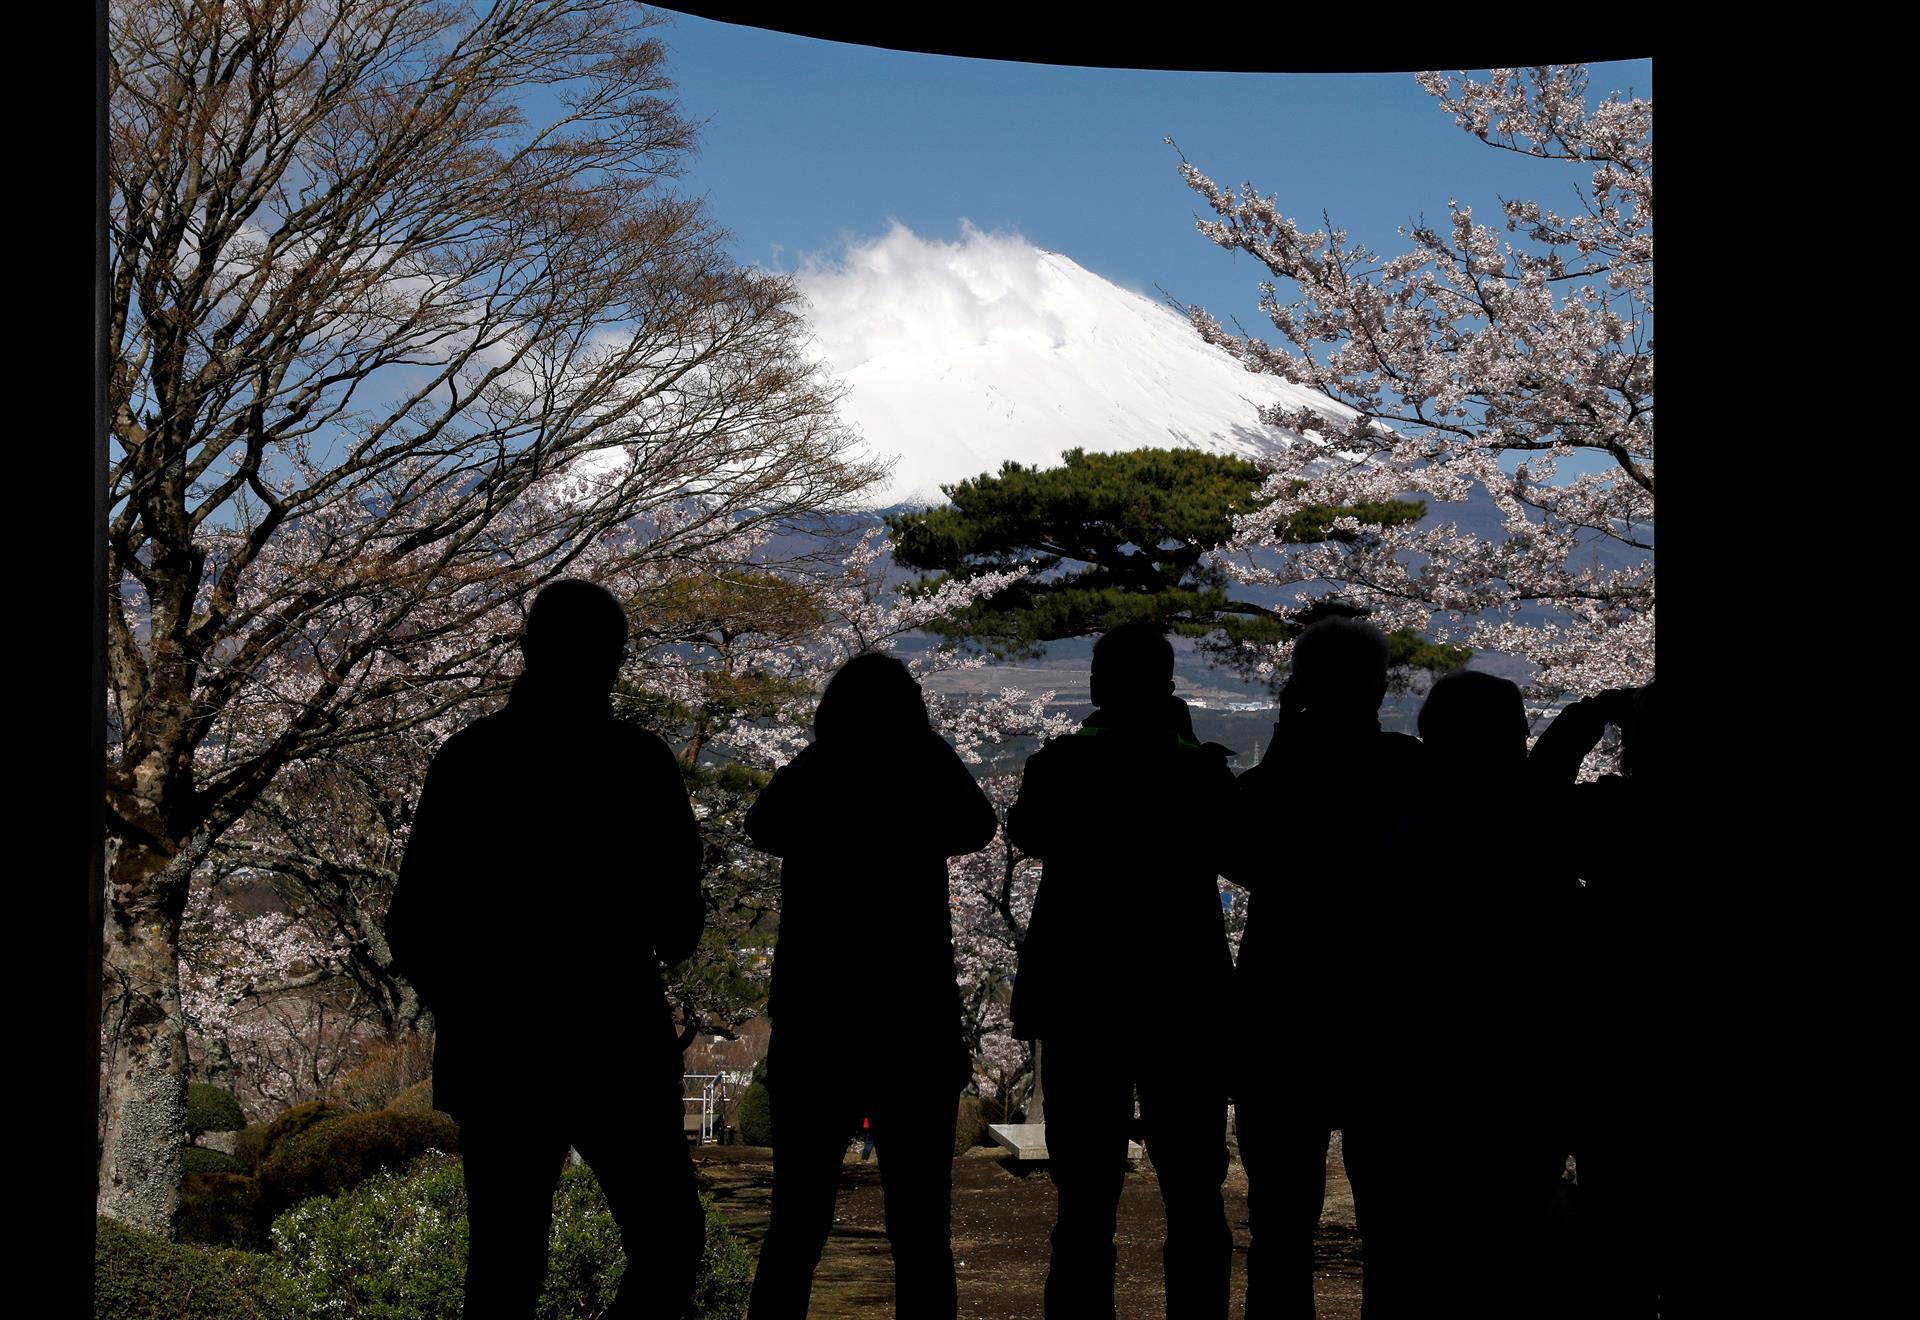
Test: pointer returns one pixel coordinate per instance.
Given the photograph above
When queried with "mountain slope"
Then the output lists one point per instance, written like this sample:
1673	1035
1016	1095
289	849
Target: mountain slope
960	356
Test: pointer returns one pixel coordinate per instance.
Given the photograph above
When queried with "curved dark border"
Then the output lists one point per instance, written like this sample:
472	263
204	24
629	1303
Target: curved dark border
1104	38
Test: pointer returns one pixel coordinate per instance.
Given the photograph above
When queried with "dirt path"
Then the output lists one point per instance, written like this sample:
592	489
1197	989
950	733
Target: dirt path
1001	1218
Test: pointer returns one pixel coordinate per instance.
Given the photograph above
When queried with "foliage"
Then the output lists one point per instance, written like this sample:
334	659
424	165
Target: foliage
385	1071
1107	539
199	1159
753	1116
292	1123
416	1099
970	1129
220	1208
404	323
212	1109
250	1143
394	1248
1447	363
138	1276
726	1270
333	1156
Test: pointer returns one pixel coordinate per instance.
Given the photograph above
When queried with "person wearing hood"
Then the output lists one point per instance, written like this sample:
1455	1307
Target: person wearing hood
1126	950
865	819
552	869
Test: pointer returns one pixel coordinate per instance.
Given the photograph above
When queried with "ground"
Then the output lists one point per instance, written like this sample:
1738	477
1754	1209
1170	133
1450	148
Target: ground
1001	1217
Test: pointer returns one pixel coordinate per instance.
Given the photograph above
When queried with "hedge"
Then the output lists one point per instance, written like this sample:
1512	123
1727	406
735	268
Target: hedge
212	1109
331	1157
137	1276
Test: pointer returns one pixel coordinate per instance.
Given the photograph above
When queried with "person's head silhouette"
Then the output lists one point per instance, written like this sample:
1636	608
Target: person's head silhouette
1340	672
1132	672
575	637
1475	727
872	698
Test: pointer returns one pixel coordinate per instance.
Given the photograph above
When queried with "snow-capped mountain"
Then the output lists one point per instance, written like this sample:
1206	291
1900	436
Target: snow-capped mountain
959	356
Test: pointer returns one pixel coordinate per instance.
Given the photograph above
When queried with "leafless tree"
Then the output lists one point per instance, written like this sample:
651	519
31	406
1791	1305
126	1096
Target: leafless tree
406	320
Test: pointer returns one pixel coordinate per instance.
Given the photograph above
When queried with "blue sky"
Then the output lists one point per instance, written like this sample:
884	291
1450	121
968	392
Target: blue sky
809	143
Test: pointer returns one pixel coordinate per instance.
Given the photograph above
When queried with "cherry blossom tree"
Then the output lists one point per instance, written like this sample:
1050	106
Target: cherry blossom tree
269	1013
1484	356
405	322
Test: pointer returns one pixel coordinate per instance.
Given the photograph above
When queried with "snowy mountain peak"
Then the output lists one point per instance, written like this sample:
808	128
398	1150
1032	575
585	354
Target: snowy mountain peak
960	356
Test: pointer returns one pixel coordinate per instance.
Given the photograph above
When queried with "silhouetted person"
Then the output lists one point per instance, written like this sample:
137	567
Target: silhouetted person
1125	953
1318	976
553	866
1626	1051
1478	1160
865	1006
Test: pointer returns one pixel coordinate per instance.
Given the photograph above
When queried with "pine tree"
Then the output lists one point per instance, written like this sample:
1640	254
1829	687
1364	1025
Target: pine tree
1116	538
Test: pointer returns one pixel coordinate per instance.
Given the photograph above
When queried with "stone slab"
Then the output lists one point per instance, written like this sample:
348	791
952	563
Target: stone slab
1028	1141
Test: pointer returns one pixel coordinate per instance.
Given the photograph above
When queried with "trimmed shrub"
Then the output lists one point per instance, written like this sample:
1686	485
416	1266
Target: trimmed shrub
726	1270
416	1099
198	1159
971	1127
395	1247
137	1276
292	1123
753	1116
250	1143
219	1210
211	1109
334	1156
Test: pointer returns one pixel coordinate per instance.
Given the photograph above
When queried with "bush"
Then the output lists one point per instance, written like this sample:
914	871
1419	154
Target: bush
137	1276
334	1156
388	1069
220	1210
971	1128
250	1144
211	1109
394	1248
198	1159
416	1099
753	1116
291	1123
726	1271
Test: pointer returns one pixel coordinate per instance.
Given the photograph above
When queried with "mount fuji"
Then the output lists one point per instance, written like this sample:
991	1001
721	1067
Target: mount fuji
957	357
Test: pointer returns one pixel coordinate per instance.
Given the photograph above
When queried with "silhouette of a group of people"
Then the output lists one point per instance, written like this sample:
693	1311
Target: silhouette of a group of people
1401	979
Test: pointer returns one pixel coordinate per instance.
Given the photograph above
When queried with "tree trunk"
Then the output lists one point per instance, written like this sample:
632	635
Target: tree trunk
146	1043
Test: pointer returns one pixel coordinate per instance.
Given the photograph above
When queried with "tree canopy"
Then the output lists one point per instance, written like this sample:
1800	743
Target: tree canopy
1108	539
406	321
1481	358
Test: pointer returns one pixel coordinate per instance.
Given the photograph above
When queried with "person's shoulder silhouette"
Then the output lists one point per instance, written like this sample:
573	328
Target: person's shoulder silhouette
1124	814
876	777
554	833
553	865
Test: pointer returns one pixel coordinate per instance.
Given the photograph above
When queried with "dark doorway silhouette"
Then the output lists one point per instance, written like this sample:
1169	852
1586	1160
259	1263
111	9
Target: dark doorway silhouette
1629	983
1126	948
865	1006
1475	1167
552	868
